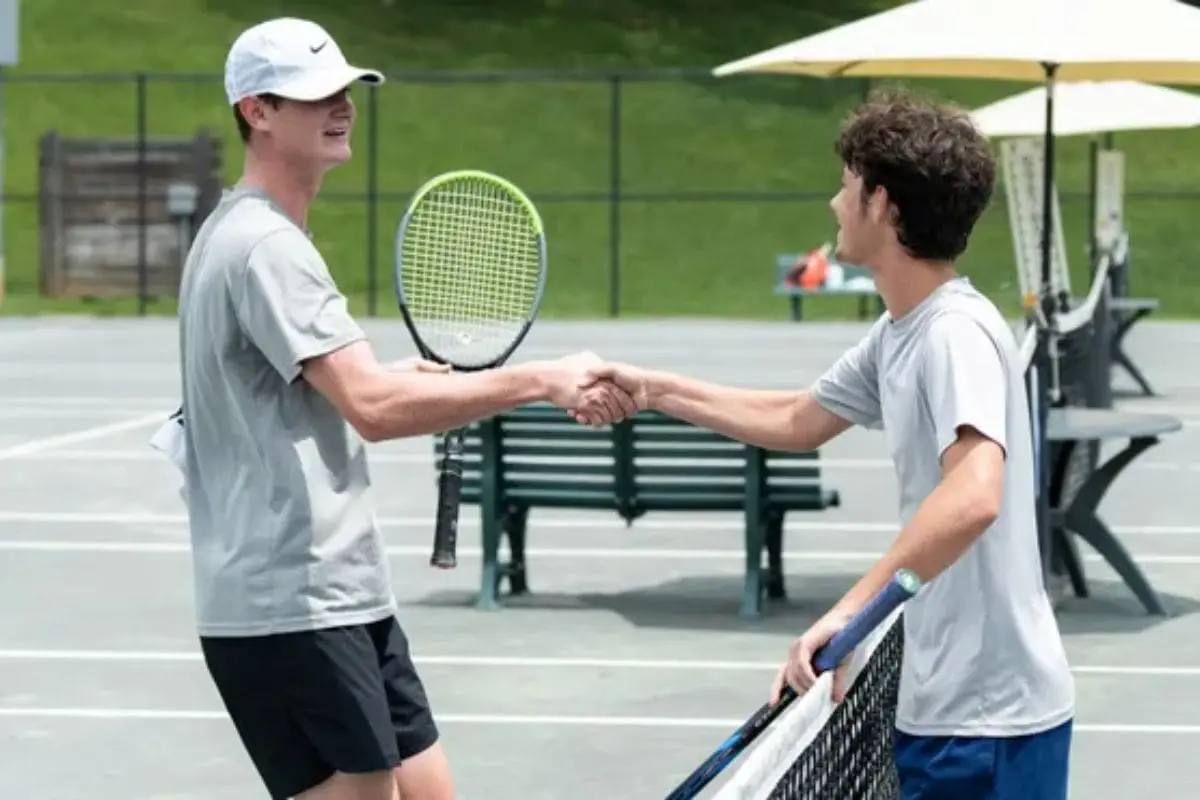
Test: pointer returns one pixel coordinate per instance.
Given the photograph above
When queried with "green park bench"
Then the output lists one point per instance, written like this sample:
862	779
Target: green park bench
796	294
537	456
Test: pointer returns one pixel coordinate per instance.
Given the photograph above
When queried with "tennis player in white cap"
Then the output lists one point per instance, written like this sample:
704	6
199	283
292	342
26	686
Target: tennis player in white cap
295	611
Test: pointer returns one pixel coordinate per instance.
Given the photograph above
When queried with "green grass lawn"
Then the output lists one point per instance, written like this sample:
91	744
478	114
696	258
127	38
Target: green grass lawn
683	257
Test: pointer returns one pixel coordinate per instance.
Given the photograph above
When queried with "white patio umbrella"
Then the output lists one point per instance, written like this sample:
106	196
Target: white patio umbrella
1023	40
1091	107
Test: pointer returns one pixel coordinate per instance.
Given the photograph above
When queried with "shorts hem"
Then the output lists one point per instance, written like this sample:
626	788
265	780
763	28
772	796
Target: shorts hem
413	746
297	624
989	731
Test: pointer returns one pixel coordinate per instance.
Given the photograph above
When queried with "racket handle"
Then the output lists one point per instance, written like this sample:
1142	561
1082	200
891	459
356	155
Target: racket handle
445	534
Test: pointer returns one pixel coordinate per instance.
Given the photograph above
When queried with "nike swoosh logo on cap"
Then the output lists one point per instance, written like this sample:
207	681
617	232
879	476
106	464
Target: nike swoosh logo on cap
319	47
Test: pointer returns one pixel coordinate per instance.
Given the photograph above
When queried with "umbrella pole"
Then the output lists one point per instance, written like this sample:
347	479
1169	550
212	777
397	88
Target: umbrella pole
1045	389
1046	356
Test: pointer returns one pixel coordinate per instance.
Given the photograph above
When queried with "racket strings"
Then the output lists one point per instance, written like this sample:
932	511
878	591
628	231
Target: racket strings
471	270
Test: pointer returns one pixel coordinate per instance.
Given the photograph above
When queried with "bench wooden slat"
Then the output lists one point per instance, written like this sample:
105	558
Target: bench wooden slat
561	434
643	437
572	498
519	469
734	471
776	472
689	454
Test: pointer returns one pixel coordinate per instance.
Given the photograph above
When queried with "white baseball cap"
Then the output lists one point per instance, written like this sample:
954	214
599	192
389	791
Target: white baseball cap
292	58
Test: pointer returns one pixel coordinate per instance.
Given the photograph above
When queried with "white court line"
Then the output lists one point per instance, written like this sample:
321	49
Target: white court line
72	400
87	434
731	524
538	662
14	413
540	720
582	553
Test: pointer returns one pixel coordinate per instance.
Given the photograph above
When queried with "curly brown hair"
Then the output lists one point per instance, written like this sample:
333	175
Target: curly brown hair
937	168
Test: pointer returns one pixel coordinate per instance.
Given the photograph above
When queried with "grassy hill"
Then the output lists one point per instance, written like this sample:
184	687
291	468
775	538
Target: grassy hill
709	255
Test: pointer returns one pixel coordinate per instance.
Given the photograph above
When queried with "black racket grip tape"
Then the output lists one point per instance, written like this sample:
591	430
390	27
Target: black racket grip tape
445	534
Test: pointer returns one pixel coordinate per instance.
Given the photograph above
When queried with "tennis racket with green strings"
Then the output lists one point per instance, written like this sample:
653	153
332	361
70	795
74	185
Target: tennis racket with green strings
470	272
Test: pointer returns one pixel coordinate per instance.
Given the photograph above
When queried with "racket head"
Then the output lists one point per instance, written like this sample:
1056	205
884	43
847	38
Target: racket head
470	268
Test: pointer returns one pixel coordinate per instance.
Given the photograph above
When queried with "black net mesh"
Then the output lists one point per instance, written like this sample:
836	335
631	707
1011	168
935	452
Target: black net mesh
851	758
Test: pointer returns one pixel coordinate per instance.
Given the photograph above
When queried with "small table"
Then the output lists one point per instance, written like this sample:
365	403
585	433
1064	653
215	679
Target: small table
1066	428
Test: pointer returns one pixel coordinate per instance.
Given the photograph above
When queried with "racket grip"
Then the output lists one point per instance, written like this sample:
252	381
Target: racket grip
445	534
902	586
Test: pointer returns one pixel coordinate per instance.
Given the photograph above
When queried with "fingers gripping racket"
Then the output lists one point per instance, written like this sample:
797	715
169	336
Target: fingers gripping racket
470	273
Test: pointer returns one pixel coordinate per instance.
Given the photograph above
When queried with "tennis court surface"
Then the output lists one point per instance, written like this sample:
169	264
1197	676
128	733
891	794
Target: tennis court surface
620	673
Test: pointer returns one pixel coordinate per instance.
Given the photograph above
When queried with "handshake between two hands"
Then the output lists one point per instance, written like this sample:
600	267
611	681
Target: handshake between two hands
594	392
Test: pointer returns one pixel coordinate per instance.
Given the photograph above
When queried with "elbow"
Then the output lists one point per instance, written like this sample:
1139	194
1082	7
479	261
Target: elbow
985	506
366	415
369	421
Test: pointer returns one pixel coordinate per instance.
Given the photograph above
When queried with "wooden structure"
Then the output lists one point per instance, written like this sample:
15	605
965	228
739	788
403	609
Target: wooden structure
106	229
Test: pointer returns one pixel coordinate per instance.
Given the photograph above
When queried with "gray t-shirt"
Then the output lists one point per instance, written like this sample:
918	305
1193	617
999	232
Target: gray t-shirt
983	654
283	530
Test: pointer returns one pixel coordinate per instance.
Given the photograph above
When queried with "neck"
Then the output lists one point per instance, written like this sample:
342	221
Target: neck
904	282
293	190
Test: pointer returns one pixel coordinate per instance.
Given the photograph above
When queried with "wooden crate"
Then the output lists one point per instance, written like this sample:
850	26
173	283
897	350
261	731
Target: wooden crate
93	240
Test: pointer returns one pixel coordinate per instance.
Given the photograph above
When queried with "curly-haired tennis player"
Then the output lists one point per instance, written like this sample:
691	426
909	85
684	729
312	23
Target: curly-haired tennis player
986	696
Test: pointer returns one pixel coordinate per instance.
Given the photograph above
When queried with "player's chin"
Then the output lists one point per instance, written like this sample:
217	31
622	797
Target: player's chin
336	150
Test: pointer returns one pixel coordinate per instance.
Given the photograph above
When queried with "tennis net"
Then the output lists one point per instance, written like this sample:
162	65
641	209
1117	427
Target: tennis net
817	750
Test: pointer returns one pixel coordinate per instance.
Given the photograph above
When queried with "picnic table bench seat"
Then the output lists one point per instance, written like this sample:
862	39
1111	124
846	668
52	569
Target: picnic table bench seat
857	282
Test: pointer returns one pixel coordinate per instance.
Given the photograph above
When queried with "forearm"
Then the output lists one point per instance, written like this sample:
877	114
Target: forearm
764	418
945	525
399	405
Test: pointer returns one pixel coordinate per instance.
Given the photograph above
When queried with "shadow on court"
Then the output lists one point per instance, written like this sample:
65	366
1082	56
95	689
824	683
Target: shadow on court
710	603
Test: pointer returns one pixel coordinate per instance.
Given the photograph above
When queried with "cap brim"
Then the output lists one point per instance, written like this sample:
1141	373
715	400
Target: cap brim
324	83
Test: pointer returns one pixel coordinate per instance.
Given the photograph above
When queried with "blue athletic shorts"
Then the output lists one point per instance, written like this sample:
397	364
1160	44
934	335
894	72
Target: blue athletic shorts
1032	767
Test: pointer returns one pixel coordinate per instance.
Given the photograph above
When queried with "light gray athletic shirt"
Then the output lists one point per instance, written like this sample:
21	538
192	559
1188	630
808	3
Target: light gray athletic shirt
283	530
983	655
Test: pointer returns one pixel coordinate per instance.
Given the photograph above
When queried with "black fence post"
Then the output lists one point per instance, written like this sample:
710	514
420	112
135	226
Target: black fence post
143	267
373	200
614	198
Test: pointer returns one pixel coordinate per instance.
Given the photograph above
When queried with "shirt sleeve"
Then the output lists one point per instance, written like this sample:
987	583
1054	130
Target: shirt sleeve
288	304
850	388
964	381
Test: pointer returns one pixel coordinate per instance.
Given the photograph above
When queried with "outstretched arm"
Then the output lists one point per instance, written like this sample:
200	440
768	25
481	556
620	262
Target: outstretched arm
384	404
772	419
847	394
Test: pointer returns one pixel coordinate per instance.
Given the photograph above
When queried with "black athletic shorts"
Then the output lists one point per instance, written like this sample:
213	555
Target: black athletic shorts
311	703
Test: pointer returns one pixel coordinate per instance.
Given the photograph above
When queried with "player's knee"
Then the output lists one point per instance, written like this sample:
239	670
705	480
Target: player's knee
359	786
425	776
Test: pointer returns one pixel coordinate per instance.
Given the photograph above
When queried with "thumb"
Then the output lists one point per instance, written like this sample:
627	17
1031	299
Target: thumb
599	372
777	685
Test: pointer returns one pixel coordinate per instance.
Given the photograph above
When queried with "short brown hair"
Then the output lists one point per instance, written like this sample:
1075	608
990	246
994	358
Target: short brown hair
937	168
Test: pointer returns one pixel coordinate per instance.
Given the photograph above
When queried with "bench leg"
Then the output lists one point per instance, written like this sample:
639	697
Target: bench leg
752	591
489	578
514	529
774	577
